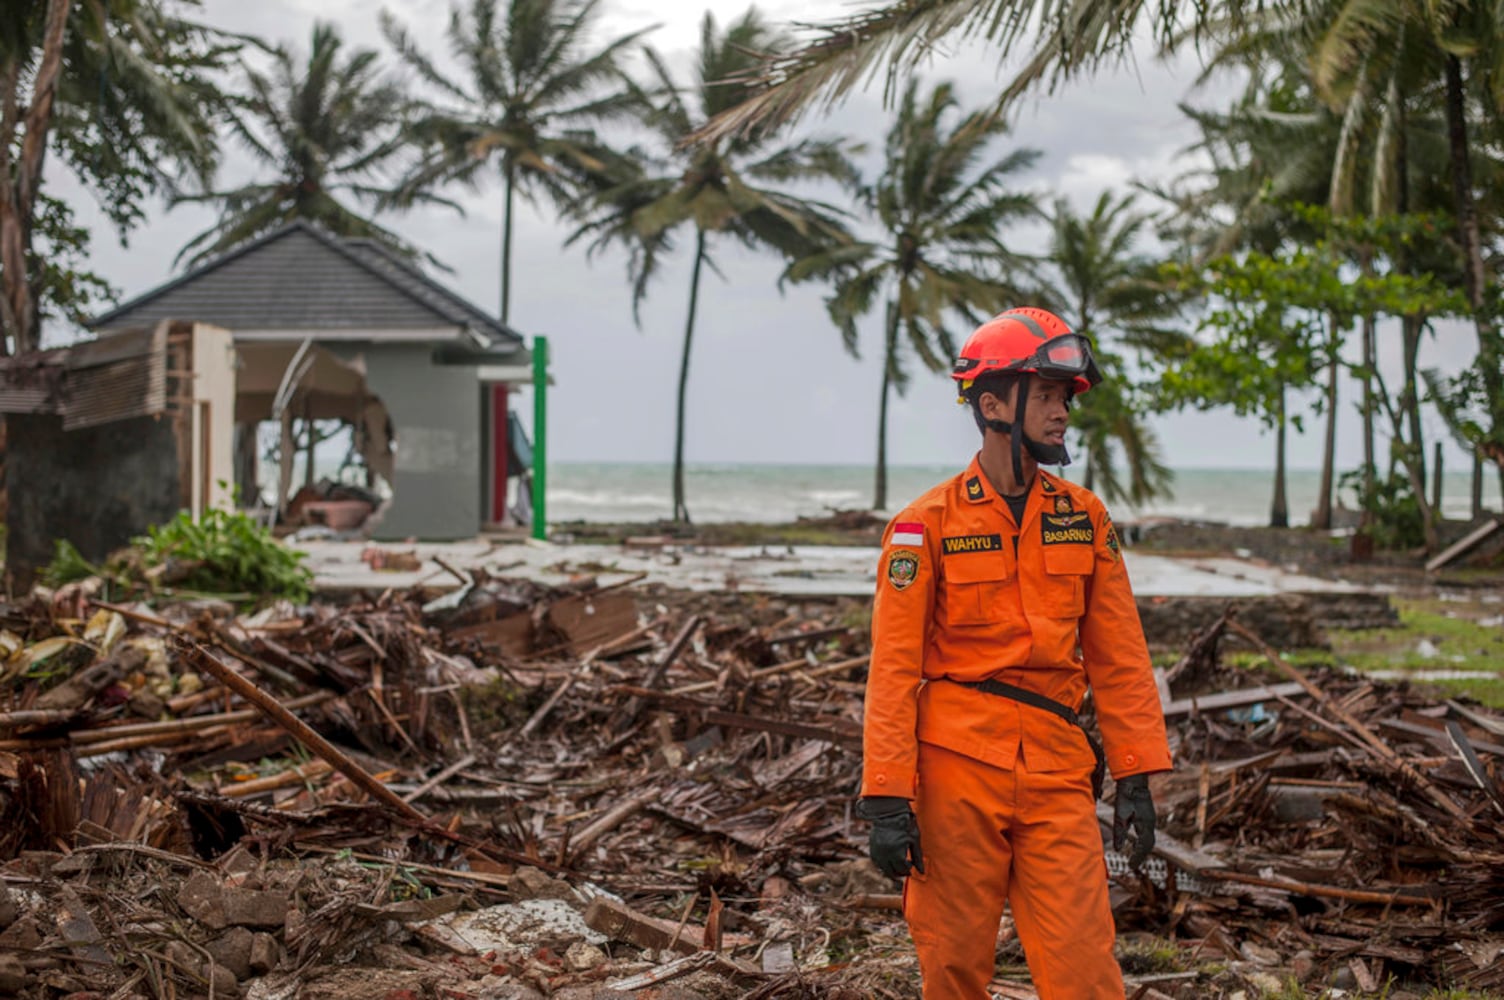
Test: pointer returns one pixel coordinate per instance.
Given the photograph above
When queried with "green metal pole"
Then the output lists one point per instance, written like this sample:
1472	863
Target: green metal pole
540	436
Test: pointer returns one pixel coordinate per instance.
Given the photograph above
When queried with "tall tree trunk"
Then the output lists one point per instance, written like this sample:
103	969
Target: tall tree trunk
1279	511
681	511
1408	458
1412	453
1370	359
1490	351
890	350
1477	499
20	319
506	240
1414	449
1322	516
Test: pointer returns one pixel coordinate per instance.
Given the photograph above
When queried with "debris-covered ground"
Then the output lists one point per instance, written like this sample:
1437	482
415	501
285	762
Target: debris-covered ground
515	791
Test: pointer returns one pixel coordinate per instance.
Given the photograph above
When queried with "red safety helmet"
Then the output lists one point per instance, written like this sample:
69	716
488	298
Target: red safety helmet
1028	340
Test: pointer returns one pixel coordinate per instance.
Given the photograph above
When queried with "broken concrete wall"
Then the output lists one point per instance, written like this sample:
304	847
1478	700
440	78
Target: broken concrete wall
435	414
96	486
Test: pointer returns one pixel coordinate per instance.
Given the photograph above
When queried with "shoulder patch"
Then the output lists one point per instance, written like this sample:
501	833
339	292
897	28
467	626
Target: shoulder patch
903	568
1072	528
1113	545
974	488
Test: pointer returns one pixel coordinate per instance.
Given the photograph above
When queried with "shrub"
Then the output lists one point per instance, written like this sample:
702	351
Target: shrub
226	552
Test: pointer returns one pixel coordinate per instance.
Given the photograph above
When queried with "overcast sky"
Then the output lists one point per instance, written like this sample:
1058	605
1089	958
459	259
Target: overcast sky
769	380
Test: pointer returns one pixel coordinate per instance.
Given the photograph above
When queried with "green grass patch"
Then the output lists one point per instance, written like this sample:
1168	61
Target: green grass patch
1432	635
1488	692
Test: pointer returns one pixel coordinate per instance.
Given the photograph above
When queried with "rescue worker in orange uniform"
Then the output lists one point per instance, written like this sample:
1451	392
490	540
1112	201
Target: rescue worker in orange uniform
1001	598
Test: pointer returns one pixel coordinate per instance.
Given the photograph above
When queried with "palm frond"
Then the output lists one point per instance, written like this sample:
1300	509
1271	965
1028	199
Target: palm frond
1068	36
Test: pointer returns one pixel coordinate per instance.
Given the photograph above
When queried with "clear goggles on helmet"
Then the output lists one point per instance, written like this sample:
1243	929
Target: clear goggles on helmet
1062	357
1067	356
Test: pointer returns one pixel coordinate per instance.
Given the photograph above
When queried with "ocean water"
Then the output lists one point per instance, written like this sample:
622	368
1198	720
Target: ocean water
603	491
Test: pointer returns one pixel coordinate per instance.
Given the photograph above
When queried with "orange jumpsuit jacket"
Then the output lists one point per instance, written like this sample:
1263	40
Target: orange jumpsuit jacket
964	592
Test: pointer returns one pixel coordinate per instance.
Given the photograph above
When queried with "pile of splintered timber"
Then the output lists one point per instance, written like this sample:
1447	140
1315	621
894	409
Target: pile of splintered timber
331	788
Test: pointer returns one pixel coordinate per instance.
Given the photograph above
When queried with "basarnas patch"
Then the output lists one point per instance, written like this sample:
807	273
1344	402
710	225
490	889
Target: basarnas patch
903	568
1060	529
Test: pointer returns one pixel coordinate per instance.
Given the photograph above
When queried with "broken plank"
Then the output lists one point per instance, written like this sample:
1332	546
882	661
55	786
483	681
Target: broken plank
655	673
1393	898
1463	545
1231	699
1488	722
593	619
1438	736
620	922
439	779
609	820
663	973
875	901
512	635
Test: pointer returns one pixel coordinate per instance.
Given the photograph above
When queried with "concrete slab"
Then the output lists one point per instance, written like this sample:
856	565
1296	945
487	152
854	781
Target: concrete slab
828	570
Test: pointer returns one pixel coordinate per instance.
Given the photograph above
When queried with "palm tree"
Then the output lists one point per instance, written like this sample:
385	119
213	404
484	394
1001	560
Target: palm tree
1377	147
1449	41
123	93
941	203
1063	40
1106	289
730	188
536	91
325	128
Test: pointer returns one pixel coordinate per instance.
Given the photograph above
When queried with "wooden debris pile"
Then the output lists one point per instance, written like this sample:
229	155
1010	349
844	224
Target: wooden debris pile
605	791
1339	828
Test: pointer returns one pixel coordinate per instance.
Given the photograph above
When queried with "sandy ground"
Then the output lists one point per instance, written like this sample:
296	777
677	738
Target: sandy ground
810	569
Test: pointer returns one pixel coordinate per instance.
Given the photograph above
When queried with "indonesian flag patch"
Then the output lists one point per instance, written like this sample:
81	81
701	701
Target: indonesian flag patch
908	533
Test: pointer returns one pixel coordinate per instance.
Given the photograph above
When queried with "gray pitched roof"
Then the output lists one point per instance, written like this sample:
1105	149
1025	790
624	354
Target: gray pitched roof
301	279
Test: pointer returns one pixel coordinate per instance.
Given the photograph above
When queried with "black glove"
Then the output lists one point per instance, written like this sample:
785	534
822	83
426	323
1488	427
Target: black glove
895	835
1134	810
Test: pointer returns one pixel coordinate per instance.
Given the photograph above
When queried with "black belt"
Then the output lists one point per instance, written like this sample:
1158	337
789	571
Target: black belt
1037	700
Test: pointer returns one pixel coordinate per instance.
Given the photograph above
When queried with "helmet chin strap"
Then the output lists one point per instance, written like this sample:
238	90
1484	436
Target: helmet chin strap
1044	454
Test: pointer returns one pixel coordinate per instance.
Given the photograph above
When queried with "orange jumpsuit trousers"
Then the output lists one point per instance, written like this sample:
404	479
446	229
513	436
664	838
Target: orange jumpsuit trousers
990	834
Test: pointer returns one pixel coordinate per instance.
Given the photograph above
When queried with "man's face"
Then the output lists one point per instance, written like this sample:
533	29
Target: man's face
1047	415
1049	411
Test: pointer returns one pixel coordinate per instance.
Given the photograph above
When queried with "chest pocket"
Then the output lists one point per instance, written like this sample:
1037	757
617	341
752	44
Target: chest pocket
1066	567
974	587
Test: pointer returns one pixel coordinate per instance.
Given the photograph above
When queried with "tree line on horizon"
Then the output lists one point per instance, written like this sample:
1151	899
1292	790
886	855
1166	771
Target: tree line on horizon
1341	196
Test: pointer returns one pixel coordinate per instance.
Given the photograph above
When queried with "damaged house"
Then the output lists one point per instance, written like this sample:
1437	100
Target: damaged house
109	436
326	329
